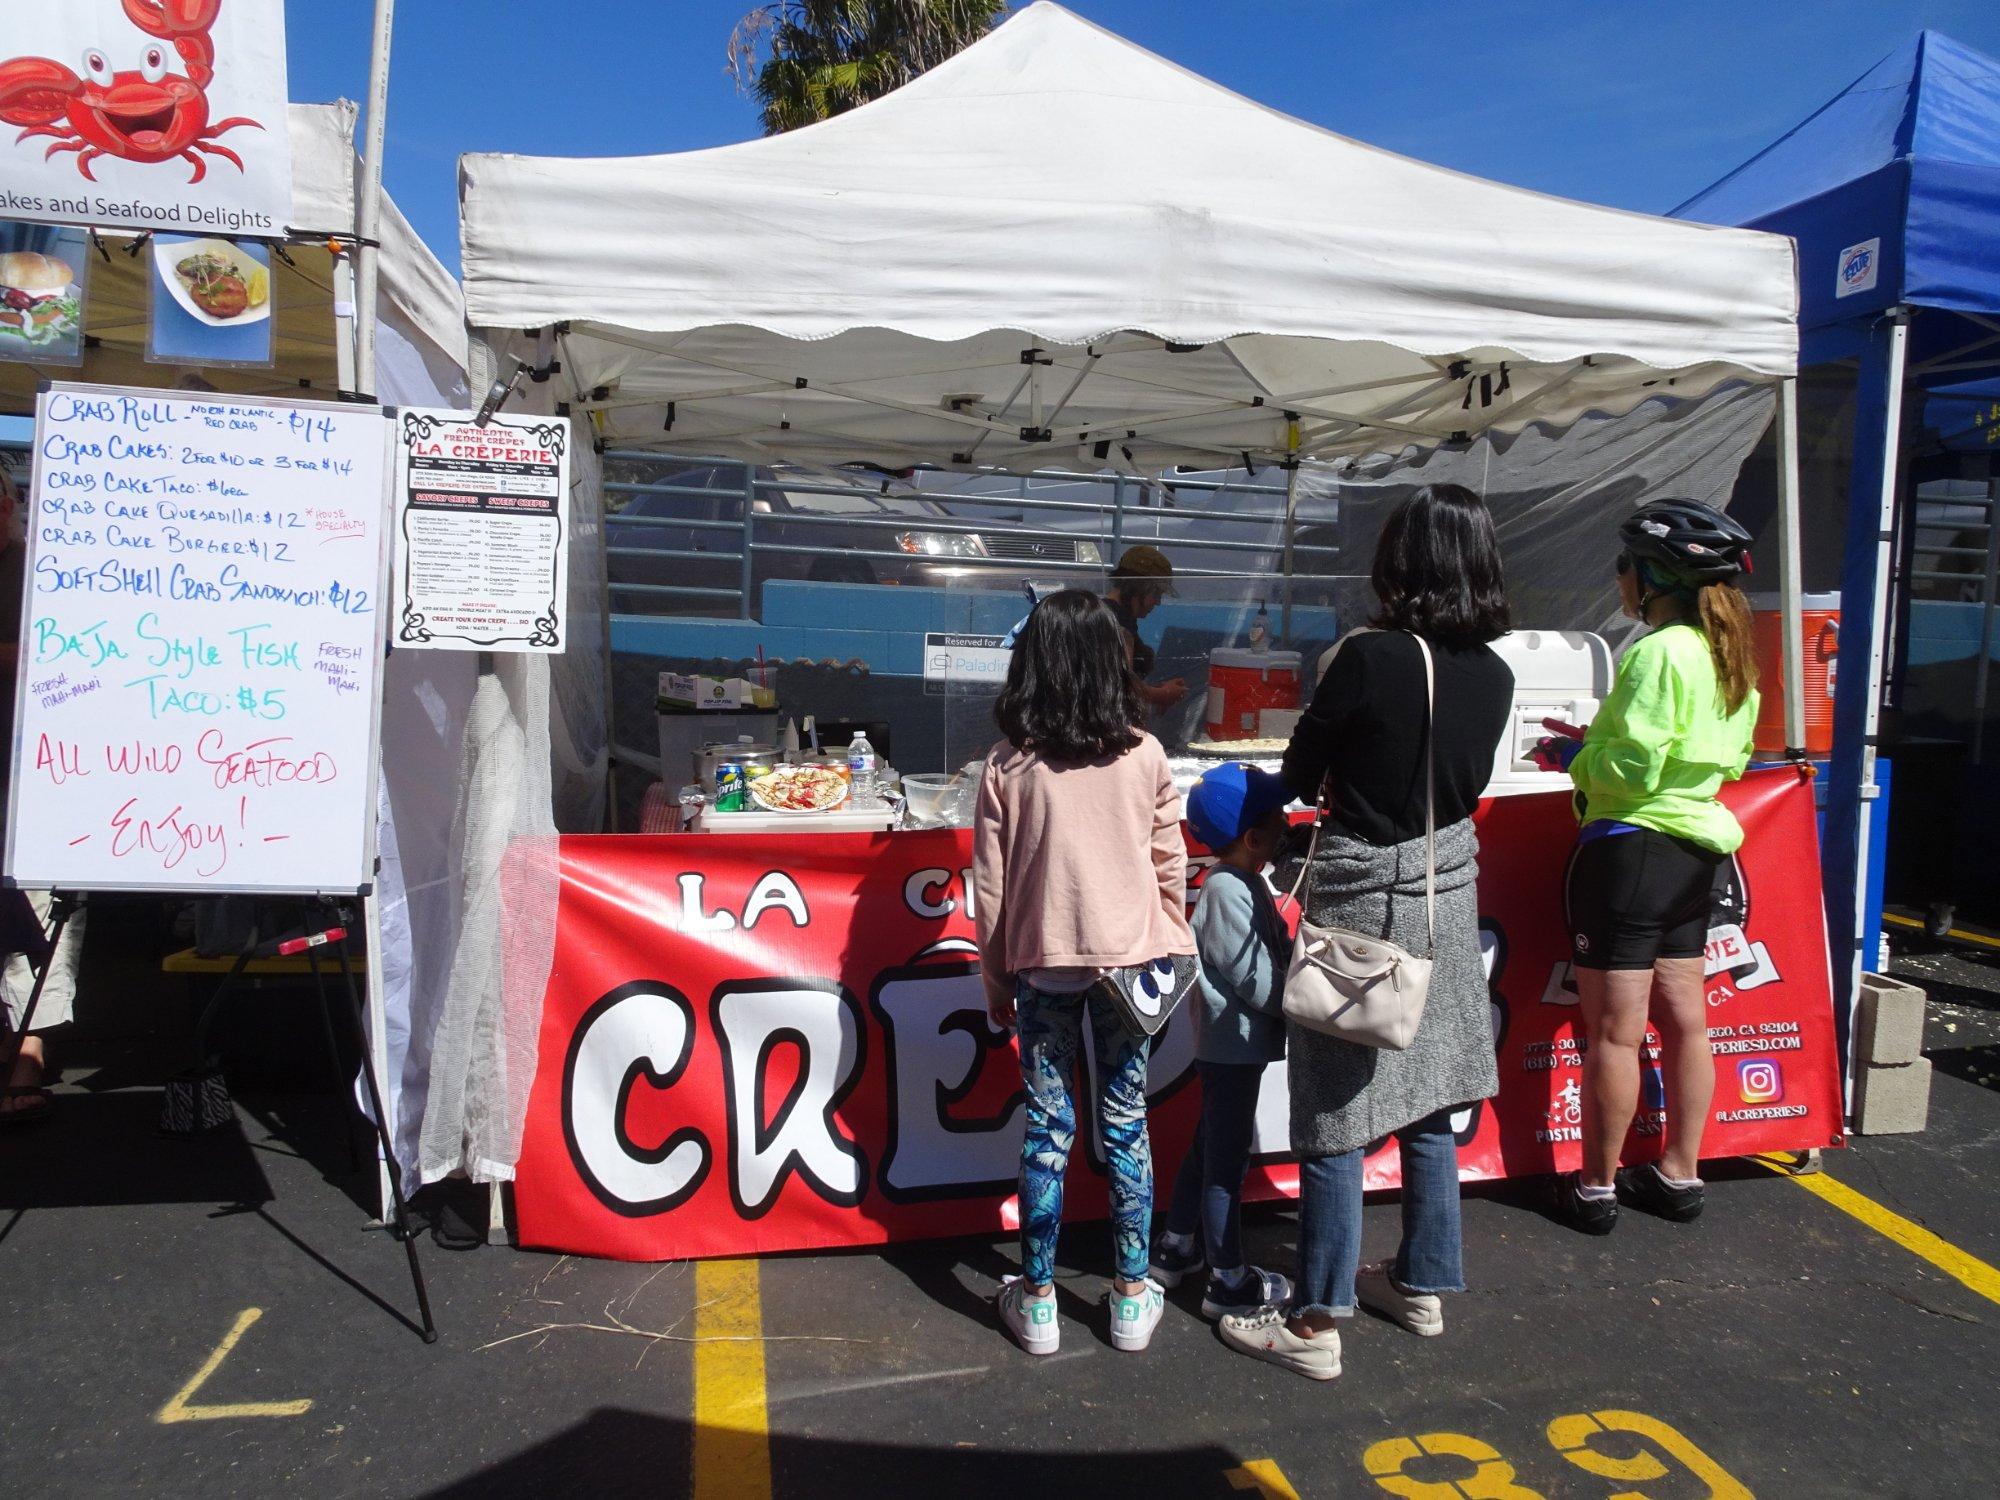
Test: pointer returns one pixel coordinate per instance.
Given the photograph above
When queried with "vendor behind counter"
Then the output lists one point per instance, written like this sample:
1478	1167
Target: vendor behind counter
1142	578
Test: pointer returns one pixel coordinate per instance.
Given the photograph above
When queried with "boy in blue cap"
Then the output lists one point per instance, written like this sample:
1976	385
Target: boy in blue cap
1239	812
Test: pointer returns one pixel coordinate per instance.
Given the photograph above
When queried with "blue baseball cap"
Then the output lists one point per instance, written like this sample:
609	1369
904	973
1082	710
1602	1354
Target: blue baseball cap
1230	799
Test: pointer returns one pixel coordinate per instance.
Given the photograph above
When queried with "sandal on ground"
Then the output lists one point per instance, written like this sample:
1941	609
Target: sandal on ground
20	1116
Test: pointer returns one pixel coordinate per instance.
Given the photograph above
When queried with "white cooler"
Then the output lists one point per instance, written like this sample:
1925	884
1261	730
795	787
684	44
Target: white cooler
1558	674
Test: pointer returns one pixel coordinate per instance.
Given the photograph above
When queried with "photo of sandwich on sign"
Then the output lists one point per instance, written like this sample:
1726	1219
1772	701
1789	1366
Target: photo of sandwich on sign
41	296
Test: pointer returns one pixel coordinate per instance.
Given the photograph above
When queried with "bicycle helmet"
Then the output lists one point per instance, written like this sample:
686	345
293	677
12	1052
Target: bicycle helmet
1687	543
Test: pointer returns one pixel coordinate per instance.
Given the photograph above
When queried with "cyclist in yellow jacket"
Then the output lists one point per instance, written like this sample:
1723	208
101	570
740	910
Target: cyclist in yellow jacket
1654	841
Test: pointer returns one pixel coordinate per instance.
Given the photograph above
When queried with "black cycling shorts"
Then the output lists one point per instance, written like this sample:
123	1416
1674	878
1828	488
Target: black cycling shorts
1633	897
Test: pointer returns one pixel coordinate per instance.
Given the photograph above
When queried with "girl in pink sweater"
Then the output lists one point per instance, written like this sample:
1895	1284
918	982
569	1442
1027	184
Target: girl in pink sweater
1078	869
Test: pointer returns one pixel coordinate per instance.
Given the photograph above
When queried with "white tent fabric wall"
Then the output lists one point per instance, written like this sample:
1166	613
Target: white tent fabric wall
531	764
579	721
426	699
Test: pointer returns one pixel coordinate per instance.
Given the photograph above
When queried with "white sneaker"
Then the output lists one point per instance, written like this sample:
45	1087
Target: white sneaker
1263	1335
1420	1312
1031	1319
1134	1316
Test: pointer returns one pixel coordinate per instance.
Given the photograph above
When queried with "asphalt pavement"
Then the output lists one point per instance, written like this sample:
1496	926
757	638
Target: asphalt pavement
217	1317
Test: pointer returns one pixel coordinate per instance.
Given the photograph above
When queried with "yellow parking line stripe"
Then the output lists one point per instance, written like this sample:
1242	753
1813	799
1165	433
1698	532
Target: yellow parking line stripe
1954	932
1265	1477
181	1408
732	1448
1916	1239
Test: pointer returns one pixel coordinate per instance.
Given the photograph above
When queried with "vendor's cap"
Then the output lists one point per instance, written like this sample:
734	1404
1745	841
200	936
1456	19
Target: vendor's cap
1231	799
1145	565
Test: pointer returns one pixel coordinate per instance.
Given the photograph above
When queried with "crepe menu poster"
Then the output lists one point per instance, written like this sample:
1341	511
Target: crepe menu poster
482	533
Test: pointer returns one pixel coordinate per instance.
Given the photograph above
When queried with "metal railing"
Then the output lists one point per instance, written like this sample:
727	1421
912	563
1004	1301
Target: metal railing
696	497
1978	582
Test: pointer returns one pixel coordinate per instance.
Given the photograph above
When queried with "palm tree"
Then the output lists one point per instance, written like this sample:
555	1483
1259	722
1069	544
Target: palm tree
807	60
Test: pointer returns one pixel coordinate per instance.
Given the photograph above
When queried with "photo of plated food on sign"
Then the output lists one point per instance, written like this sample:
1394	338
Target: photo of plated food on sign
214	281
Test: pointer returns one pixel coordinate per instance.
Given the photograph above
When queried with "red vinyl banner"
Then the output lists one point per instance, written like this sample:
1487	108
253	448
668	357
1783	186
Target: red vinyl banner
768	1042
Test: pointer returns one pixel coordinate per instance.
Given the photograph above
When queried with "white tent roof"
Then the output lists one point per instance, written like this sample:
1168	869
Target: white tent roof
871	287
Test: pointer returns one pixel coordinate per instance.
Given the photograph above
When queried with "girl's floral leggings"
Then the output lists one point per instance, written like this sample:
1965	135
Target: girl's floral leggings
1051	1036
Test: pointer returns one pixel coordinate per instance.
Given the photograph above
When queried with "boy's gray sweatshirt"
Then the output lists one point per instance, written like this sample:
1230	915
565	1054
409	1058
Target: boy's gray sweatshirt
1244	956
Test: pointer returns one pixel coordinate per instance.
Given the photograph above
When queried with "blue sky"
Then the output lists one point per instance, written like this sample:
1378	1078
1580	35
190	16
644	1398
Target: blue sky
1635	105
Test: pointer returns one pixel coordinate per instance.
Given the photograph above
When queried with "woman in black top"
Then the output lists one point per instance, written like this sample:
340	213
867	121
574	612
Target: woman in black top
1437	574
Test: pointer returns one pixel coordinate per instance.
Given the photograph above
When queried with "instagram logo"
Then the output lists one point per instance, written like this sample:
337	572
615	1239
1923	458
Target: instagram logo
1759	1081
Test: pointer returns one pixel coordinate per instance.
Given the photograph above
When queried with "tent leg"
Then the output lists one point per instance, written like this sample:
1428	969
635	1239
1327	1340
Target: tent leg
1291	533
400	1220
1864	600
375	1051
1790	569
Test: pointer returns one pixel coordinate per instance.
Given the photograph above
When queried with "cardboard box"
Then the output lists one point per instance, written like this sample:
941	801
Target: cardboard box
693	692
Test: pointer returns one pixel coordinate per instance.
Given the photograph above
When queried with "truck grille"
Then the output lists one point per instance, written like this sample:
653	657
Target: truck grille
1013	547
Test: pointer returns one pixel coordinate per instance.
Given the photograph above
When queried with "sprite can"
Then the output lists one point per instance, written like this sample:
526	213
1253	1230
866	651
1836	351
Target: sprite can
732	790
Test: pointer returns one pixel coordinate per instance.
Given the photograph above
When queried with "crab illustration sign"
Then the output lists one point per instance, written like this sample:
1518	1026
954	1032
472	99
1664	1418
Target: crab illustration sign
146	114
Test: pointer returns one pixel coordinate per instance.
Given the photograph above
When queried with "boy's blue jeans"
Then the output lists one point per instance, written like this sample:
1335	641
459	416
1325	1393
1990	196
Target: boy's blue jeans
1051	1039
1208	1192
1430	1258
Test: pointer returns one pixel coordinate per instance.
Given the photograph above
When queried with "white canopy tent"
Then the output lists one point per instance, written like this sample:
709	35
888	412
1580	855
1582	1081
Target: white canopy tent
1057	241
1057	249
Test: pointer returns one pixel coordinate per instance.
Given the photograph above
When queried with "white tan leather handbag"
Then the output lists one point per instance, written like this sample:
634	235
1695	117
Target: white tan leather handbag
1363	989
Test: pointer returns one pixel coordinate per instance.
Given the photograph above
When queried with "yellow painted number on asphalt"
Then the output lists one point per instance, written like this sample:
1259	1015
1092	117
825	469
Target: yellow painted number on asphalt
181	1407
1570	1436
1492	1477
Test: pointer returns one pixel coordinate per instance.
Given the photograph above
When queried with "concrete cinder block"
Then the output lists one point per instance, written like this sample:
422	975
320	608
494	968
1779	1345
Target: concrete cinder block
1892	1100
1889	1021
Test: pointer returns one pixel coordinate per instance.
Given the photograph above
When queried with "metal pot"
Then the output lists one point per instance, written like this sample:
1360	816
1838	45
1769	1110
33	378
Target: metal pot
708	757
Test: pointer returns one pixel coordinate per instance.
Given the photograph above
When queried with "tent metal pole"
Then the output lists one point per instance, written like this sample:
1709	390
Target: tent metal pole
368	234
1865	586
1790	570
1878	615
368	206
1291	522
346	332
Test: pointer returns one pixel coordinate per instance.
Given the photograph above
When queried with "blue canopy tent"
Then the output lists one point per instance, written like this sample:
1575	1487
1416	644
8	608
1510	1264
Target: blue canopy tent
1892	192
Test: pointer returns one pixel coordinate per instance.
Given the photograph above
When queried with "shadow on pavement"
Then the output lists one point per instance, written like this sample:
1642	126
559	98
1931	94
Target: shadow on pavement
103	1150
615	1452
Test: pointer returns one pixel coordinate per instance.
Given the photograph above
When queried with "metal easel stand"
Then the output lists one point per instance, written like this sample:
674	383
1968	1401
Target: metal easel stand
62	905
336	934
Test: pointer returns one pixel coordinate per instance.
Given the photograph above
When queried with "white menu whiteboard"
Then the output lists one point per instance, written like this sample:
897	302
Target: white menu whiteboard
199	684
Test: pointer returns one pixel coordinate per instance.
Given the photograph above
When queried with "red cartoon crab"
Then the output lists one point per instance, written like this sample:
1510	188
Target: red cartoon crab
145	114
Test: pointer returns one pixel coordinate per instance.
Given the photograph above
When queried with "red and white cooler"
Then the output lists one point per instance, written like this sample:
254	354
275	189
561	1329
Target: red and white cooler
1243	684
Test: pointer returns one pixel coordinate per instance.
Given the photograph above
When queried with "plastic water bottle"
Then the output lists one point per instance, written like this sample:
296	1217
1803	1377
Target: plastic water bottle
861	764
1260	630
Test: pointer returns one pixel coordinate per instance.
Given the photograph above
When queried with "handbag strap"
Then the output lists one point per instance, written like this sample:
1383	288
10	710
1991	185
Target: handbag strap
1430	790
1430	802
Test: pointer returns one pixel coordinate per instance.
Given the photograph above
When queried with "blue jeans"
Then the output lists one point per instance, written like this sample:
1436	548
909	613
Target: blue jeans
1430	1258
1051	1037
1208	1193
